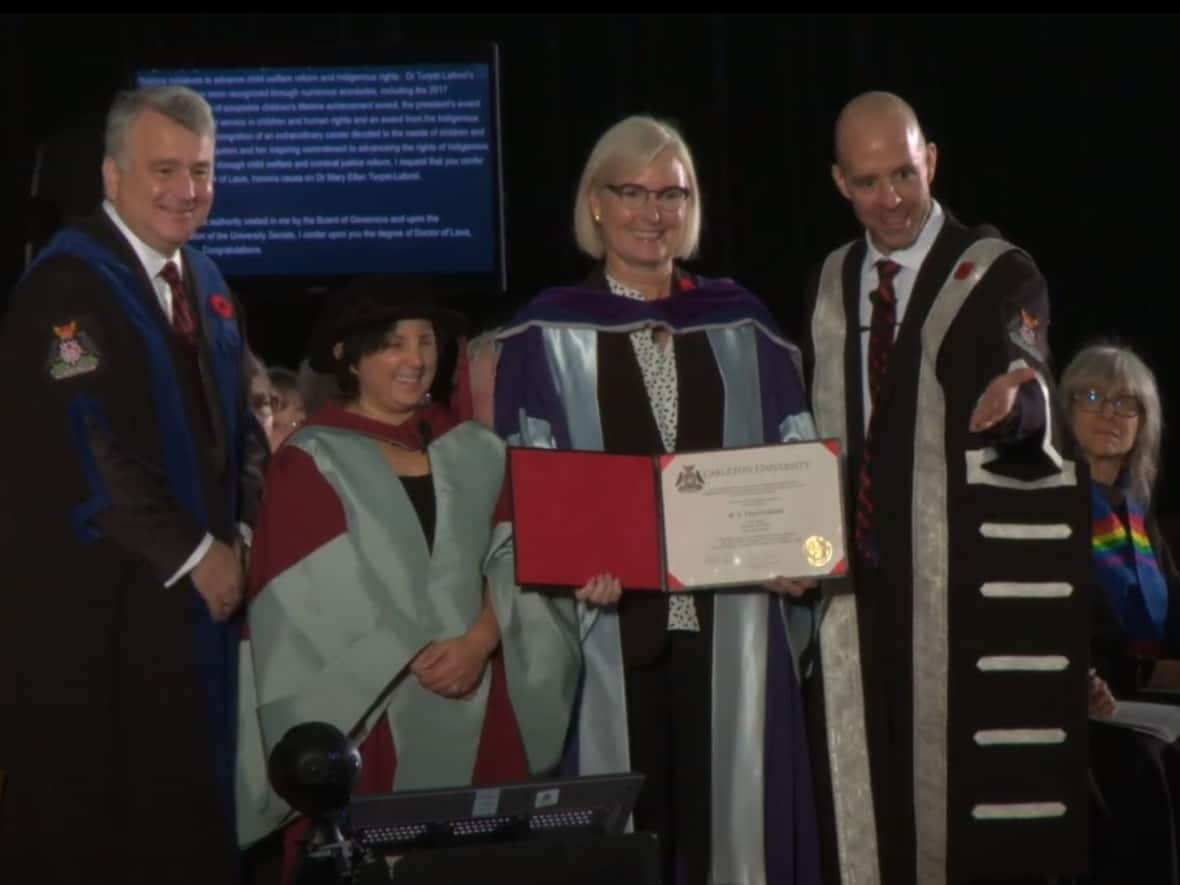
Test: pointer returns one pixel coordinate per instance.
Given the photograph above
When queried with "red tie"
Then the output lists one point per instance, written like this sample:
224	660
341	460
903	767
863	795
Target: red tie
880	347
182	314
185	328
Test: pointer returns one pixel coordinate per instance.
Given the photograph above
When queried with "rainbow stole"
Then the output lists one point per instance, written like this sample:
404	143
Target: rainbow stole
1127	568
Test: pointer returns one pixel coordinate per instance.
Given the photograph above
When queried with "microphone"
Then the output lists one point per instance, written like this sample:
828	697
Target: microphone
314	769
426	431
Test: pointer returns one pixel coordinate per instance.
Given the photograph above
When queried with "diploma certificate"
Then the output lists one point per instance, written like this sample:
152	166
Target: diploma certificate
684	521
743	516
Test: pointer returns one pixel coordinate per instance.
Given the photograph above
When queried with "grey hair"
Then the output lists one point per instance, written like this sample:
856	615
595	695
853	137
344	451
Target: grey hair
318	388
1114	365
178	103
626	149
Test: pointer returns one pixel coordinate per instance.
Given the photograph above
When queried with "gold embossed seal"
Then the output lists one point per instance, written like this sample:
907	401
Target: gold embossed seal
818	551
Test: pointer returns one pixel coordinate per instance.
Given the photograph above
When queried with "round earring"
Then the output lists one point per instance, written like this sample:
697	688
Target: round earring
426	399
597	218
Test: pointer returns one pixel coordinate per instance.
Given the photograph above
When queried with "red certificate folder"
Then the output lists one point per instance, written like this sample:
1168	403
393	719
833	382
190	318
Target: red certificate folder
678	521
580	514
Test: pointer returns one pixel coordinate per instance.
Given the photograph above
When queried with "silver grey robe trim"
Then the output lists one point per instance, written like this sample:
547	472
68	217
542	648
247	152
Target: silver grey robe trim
848	749
739	637
929	546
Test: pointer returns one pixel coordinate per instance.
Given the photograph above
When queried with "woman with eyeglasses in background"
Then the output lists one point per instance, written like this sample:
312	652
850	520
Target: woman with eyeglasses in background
261	396
643	357
287	404
1113	405
1114	409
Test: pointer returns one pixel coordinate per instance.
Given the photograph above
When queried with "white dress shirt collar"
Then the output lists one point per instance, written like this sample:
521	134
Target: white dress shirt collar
151	260
913	255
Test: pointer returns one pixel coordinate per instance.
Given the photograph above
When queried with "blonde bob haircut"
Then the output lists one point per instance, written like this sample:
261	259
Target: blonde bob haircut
622	153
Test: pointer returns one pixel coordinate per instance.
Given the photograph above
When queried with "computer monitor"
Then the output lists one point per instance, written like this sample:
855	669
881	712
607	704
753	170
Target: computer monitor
425	819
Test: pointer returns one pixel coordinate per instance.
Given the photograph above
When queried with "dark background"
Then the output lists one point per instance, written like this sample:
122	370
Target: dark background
1060	130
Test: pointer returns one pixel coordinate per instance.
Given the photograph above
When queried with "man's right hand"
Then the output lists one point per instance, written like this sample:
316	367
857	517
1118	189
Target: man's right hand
218	577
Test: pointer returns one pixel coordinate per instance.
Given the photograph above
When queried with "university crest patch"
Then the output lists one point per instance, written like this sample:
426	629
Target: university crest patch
71	352
1026	332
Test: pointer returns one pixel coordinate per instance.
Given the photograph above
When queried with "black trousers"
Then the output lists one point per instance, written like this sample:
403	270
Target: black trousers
887	670
669	718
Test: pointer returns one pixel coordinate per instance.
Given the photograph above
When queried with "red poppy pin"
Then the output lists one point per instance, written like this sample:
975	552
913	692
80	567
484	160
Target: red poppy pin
1029	324
221	304
964	270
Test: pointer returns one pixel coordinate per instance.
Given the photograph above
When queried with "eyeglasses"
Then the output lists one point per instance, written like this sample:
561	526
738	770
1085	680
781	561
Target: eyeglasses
1124	405
634	196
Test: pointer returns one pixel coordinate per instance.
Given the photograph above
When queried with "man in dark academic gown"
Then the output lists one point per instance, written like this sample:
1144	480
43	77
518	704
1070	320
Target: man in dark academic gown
126	463
952	682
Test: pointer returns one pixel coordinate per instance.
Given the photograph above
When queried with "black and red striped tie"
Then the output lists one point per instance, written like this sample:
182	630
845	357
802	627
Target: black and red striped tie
182	312
184	325
881	329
